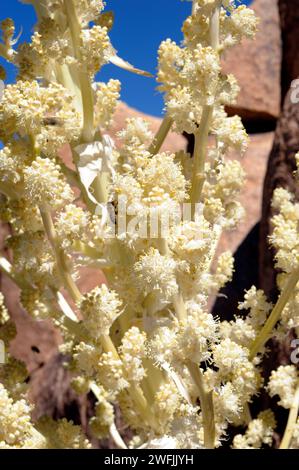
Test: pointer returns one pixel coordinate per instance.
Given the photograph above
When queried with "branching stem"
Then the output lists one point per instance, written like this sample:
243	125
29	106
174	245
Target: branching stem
202	134
206	405
289	431
63	270
177	299
160	135
84	79
264	334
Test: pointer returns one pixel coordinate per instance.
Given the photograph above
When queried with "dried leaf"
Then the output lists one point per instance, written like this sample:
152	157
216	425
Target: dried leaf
94	158
123	64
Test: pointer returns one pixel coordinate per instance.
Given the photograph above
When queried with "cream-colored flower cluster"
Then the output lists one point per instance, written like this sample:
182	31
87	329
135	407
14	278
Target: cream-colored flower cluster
145	340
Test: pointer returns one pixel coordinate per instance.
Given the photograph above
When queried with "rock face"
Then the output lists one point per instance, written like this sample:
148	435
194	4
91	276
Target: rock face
257	65
289	20
280	173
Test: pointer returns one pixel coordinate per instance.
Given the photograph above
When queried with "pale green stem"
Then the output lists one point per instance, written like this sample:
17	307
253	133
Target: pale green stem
265	333
202	134
85	83
136	391
70	321
88	104
64	306
160	135
206	405
177	380
246	414
67	76
177	299
70	317
179	306
200	150
113	429
108	346
88	132
292	420
62	268
155	377
215	29
39	439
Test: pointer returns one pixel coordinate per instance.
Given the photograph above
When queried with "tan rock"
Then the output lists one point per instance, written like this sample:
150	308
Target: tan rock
257	65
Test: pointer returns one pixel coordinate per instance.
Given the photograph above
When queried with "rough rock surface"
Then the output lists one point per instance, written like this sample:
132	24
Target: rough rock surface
280	173
257	65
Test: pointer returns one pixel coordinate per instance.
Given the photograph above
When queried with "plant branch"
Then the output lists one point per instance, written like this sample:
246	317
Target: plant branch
289	431
113	429
202	134
61	262
264	334
85	83
200	149
206	405
160	135
177	299
135	390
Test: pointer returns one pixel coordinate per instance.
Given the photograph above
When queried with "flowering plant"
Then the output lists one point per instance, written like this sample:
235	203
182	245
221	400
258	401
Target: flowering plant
144	340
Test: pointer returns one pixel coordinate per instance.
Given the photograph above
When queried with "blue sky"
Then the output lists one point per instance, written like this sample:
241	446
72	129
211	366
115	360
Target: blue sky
139	28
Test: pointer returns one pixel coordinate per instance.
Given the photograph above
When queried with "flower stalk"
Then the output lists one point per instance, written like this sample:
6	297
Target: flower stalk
61	261
275	315
293	415
84	80
202	134
206	405
200	149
